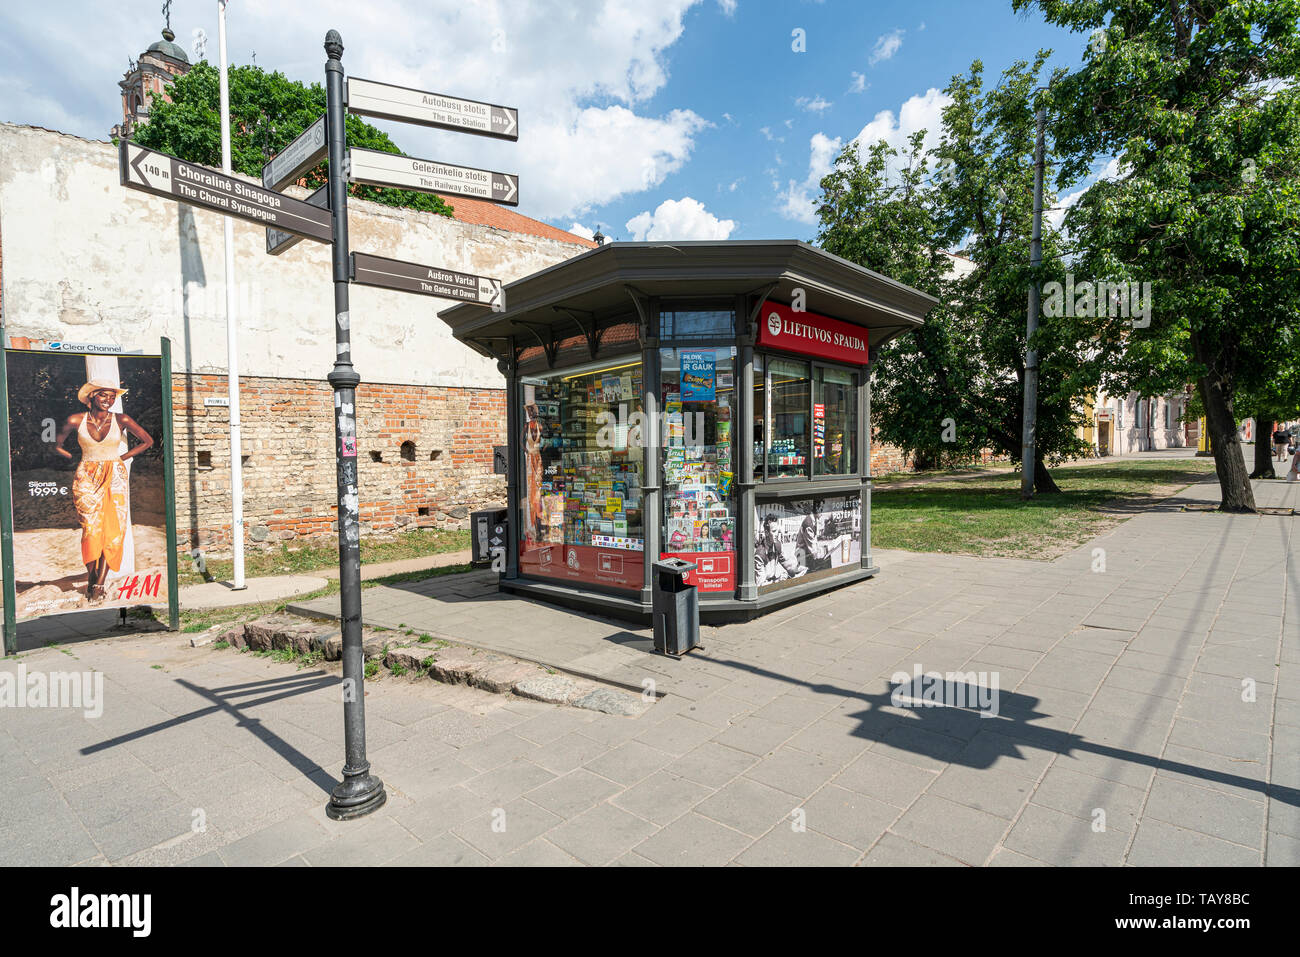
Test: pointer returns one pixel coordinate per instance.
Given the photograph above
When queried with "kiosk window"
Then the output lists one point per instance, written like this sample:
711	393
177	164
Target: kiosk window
581	455
698	391
696	323
834	421
790	421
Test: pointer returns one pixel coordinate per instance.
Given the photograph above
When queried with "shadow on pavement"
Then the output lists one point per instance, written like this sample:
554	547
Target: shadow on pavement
952	728
225	699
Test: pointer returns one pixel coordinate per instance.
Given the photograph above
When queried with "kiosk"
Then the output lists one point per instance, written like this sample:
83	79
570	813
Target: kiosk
708	401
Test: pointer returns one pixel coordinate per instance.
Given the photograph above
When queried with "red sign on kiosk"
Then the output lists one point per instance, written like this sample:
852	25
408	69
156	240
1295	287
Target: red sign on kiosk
714	571
780	327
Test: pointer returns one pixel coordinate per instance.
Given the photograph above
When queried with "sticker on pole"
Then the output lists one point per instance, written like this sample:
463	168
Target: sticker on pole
349	447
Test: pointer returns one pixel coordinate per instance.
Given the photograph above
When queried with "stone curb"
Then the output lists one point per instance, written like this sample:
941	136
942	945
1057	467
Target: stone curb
445	662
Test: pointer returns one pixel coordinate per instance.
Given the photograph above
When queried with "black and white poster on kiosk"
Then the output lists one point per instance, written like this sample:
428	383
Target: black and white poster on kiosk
799	539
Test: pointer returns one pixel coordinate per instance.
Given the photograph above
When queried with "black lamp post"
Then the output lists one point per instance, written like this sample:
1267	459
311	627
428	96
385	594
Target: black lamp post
360	792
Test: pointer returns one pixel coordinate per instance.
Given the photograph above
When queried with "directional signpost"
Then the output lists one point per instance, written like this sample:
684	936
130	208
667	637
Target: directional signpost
388	102
324	218
370	270
428	176
303	154
153	172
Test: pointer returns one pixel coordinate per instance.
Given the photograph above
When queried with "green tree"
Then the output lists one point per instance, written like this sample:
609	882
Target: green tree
267	111
1198	102
955	386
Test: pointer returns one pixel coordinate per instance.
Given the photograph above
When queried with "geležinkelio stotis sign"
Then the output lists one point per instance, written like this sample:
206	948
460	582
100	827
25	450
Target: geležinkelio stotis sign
370	270
163	175
428	176
388	102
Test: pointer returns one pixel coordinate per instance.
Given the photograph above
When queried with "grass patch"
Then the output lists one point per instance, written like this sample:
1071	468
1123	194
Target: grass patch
987	517
312	557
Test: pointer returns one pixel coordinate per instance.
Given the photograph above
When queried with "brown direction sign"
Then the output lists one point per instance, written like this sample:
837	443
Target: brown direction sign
304	153
277	242
370	270
429	176
389	102
163	175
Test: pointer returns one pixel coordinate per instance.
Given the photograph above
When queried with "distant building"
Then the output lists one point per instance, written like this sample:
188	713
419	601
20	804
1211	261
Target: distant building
1137	423
147	78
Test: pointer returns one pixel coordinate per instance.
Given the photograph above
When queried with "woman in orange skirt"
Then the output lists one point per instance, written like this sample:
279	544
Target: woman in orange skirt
99	488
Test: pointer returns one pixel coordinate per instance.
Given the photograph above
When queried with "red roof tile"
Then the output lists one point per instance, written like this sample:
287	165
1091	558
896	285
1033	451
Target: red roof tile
482	213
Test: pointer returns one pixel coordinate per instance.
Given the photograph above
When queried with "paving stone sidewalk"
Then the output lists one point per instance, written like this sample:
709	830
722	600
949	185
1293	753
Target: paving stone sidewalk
1148	713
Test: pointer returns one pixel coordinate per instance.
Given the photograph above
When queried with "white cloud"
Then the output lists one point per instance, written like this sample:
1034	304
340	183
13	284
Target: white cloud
580	230
887	44
679	219
728	7
770	136
921	112
797	200
859	84
580	77
813	104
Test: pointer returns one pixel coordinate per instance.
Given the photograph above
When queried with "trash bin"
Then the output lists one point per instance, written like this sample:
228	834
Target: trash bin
487	532
676	607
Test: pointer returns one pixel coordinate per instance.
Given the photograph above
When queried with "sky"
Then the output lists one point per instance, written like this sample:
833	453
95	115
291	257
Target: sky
663	120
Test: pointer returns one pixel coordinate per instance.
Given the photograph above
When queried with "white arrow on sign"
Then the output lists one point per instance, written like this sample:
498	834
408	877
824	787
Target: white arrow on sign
150	170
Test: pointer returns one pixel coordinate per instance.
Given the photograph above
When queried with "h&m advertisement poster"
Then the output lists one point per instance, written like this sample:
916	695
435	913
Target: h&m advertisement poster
86	455
795	540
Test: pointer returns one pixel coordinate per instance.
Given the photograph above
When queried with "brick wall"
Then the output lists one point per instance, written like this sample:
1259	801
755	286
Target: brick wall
424	458
888	458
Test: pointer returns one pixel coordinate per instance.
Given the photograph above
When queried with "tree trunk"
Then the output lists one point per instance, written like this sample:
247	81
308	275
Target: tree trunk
1043	481
1229	461
1263	450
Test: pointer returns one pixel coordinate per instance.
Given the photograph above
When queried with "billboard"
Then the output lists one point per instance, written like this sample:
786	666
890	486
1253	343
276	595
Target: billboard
89	481
803	539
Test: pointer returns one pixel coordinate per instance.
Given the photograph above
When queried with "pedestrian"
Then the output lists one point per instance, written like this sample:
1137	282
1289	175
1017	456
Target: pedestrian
1293	474
1281	439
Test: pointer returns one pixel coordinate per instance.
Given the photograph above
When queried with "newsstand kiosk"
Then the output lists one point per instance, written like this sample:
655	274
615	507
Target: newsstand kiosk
706	401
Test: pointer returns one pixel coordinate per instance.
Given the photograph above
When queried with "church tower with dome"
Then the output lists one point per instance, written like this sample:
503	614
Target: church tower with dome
148	77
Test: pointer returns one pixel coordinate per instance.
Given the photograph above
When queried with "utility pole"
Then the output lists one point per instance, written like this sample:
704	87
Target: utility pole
232	344
360	792
1029	452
